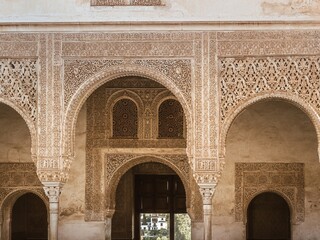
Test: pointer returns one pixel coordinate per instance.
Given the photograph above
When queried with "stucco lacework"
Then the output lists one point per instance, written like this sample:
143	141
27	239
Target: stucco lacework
18	177
244	81
286	179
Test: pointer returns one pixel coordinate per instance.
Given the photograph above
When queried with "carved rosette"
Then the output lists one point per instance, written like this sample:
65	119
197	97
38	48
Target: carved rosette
285	179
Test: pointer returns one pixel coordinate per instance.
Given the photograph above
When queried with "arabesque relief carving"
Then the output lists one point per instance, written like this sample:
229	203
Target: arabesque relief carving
18	83
19	177
78	71
245	78
286	179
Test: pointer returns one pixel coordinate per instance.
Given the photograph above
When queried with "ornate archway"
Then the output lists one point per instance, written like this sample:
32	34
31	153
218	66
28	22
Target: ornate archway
290	98
94	82
8	202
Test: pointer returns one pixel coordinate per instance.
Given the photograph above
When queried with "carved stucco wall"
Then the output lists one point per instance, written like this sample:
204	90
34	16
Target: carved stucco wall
189	64
272	137
108	158
286	179
17	179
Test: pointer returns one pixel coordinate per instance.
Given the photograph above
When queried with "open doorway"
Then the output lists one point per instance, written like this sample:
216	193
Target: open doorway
151	206
29	218
268	218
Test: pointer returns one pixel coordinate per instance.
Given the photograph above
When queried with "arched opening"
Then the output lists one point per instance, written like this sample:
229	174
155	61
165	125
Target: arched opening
100	153
170	119
268	217
125	119
151	204
29	218
263	136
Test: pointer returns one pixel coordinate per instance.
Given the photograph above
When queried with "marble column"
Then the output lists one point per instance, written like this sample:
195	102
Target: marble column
108	223
207	194
53	191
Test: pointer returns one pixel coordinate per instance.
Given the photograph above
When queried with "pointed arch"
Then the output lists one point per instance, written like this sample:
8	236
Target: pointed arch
290	98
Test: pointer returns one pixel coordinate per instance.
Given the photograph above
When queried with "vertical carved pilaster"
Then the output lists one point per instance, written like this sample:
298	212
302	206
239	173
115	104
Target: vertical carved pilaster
108	223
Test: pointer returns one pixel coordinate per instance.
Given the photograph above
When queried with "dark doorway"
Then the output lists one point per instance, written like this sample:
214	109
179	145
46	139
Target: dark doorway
29	218
160	207
268	218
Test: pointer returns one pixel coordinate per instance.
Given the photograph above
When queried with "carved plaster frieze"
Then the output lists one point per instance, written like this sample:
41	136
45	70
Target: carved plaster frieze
78	71
244	81
208	171
126	2
18	174
114	161
286	179
245	78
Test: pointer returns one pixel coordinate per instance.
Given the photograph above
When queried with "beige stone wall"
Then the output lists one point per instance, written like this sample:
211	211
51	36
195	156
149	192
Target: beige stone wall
272	131
171	10
72	200
15	140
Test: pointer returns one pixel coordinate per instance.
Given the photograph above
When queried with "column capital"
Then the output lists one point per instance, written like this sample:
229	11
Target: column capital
207	192
53	190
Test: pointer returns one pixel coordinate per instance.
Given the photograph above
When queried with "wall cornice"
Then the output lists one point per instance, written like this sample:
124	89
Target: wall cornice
157	25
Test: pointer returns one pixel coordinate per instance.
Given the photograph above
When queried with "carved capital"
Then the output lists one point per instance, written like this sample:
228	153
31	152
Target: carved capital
207	194
53	169
53	191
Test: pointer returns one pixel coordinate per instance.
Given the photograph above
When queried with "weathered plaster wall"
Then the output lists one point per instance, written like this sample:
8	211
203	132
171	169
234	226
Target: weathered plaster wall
15	140
71	221
272	131
174	10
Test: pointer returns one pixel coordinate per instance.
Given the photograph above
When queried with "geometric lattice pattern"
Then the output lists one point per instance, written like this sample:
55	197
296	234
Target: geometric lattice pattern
286	179
18	82
243	78
170	119
125	119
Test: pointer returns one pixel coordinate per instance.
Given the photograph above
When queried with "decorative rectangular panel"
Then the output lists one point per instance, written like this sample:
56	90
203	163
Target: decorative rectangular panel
286	179
126	3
